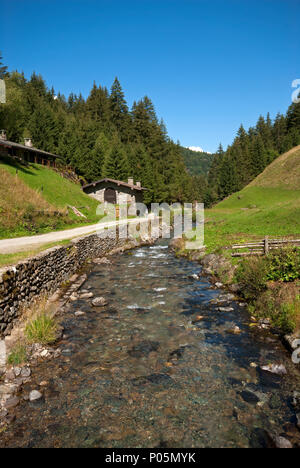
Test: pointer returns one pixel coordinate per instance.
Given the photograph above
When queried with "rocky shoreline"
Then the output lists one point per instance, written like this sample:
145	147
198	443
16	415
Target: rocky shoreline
216	267
212	266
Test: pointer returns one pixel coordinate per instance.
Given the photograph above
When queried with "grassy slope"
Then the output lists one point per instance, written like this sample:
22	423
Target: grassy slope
49	186
270	205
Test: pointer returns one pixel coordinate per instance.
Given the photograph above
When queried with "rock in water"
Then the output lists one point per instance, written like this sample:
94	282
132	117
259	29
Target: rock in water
281	443
296	400
277	369
99	302
86	295
225	309
11	402
144	348
35	395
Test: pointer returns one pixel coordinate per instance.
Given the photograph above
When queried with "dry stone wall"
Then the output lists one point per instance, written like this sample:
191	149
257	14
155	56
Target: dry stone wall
44	273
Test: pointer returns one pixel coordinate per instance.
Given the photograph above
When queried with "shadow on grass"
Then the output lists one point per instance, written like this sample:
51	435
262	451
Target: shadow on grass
18	164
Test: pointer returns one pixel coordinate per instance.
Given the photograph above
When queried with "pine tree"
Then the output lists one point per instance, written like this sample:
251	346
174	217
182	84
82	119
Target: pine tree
3	69
116	164
119	110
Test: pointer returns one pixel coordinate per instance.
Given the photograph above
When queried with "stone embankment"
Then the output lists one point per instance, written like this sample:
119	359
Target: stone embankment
45	272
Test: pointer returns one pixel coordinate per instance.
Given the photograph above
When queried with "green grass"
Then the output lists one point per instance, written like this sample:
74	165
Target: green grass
54	193
54	188
18	355
13	258
251	214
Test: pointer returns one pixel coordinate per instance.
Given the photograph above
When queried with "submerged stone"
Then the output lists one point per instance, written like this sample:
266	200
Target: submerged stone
35	395
143	348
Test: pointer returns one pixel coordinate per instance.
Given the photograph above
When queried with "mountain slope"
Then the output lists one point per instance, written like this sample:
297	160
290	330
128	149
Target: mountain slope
196	163
269	205
283	172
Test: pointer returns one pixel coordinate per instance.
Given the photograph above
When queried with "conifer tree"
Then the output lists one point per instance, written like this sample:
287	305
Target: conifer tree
3	69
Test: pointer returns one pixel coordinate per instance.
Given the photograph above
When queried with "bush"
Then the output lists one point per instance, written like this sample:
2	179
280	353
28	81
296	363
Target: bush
252	276
42	329
281	304
284	264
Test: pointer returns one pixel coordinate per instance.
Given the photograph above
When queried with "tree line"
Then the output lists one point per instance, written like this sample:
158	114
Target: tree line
99	136
251	152
197	162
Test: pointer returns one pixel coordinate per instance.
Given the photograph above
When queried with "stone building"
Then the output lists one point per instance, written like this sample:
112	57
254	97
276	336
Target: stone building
115	191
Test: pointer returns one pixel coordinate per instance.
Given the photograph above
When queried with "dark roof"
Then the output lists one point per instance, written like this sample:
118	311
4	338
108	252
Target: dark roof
11	144
117	182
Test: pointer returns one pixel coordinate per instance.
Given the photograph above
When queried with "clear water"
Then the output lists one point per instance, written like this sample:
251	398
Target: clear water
147	371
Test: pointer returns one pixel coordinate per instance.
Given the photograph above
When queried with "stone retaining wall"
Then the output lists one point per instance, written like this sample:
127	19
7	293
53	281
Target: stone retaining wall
45	272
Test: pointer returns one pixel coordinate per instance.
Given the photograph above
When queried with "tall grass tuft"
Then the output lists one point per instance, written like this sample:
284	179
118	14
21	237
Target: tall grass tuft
42	329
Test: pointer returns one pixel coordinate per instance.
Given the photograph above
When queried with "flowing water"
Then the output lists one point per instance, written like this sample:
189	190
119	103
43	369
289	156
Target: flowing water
157	367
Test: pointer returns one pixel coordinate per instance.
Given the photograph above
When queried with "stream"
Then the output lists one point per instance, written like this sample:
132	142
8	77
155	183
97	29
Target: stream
157	367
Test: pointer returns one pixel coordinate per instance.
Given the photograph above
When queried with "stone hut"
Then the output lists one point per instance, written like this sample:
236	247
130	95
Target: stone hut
115	191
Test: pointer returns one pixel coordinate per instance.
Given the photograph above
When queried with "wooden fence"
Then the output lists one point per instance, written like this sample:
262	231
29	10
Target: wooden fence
263	247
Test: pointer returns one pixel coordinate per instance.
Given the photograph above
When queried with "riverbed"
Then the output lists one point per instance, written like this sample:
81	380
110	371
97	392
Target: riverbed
158	367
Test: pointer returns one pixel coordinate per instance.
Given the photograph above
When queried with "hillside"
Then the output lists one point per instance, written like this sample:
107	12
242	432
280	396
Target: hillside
269	205
34	199
196	163
284	172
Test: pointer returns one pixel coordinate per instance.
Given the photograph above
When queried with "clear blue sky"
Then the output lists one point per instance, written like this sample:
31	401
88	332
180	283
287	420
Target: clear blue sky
207	65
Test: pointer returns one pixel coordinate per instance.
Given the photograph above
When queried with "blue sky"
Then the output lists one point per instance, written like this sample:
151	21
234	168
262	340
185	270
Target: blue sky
207	65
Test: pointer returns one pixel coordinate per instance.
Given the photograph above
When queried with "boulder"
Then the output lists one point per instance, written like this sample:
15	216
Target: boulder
176	244
35	395
235	287
298	420
277	369
86	295
99	302
280	442
11	402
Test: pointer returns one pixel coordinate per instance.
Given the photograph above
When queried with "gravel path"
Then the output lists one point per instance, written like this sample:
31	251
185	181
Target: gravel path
21	244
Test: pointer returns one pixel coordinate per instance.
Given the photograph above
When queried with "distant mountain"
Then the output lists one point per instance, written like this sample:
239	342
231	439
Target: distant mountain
196	162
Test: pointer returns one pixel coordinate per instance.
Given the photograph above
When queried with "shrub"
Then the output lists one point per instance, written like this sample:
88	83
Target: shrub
42	329
284	264
252	276
281	304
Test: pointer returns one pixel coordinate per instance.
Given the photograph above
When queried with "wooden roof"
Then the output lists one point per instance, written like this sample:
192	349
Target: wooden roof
117	182
11	144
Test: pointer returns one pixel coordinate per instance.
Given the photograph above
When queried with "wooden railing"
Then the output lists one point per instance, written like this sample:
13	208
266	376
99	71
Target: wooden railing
263	247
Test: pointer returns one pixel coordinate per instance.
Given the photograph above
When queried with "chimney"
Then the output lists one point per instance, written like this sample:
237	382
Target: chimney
138	184
28	142
130	180
2	135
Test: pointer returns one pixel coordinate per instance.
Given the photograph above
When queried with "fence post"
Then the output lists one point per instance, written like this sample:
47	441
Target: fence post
266	245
